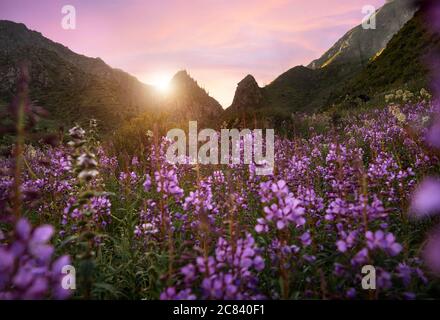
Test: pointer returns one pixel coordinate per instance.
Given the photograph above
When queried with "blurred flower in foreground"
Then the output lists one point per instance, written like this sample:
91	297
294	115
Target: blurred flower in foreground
434	135
426	199
432	12
431	253
27	270
86	165
77	135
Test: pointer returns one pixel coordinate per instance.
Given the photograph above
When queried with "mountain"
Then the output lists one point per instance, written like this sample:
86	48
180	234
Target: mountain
188	100
248	93
76	88
402	63
72	87
310	88
358	45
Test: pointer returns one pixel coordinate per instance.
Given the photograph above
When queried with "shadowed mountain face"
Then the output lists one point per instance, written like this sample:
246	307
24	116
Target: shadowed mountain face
248	93
311	88
358	45
75	88
188	100
70	86
403	62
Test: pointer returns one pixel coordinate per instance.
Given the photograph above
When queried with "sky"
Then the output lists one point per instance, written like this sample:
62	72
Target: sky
218	42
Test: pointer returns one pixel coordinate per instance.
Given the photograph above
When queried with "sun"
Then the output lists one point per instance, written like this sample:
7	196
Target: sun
162	83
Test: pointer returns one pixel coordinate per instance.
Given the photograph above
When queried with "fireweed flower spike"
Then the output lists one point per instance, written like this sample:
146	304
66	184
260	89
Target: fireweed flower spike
384	241
229	274
86	165
77	134
286	209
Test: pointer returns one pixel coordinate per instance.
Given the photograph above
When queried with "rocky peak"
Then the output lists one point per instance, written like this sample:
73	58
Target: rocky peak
187	97
182	75
249	79
248	94
182	81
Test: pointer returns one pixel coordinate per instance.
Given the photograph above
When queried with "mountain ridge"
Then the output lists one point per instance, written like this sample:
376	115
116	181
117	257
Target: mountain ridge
358	45
187	97
308	88
74	87
402	63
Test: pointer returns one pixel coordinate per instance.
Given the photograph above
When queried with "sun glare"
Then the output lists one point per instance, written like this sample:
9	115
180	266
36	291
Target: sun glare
161	83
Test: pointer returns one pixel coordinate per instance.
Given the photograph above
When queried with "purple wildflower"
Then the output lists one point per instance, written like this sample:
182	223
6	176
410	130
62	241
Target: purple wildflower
27	269
384	241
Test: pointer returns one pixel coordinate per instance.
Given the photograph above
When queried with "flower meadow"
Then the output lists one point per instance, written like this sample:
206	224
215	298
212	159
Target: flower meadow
364	192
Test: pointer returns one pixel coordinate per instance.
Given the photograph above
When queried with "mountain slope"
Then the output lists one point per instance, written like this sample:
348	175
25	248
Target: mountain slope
402	63
76	88
291	89
72	87
310	88
248	93
358	45
189	101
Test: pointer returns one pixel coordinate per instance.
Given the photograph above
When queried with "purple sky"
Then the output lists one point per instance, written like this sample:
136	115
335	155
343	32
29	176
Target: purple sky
218	41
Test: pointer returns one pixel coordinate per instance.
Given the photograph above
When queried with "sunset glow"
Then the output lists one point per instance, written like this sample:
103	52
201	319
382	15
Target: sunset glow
202	152
160	81
219	42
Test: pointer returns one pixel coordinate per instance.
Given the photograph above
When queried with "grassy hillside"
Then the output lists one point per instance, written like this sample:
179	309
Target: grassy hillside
401	64
72	87
292	89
